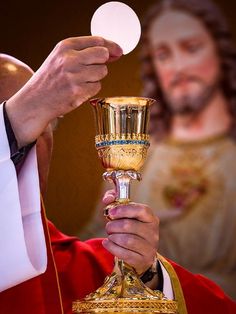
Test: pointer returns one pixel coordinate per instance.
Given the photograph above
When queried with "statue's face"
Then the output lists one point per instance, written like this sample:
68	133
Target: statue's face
185	59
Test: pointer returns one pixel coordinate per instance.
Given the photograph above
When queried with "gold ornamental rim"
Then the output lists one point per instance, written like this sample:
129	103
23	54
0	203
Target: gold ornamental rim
123	100
122	136
122	305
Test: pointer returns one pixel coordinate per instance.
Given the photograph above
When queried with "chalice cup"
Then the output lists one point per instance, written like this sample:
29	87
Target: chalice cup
122	142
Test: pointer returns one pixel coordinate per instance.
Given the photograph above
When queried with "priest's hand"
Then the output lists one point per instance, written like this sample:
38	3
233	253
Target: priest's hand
70	75
132	233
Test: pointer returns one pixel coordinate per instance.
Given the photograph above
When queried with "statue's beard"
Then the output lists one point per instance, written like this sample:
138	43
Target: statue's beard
189	104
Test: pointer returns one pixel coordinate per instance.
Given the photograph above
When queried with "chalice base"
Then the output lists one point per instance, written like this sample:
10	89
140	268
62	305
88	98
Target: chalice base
123	292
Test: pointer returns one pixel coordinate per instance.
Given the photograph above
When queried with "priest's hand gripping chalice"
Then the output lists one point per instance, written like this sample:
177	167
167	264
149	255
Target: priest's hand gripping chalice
122	142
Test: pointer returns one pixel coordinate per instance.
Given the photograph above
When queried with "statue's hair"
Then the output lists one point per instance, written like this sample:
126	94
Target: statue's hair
217	26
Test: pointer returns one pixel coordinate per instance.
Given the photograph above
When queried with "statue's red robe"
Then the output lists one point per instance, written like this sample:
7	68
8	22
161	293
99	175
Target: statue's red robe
77	268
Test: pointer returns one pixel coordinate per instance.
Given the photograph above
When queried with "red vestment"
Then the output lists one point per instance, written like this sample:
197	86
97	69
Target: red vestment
81	268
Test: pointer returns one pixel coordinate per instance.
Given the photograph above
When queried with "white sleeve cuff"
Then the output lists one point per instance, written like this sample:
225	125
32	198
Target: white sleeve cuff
167	286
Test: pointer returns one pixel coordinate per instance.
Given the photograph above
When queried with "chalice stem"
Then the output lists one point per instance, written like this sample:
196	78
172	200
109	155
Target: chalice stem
122	181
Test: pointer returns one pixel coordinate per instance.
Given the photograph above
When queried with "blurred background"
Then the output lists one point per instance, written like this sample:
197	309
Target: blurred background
29	31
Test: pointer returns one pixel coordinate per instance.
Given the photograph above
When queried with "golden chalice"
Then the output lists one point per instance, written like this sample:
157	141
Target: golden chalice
122	142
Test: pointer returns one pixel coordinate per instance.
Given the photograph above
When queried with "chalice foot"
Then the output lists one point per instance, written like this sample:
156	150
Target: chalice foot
123	292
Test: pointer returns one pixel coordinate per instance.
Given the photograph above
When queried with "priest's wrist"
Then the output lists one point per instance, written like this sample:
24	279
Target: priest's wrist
150	276
17	154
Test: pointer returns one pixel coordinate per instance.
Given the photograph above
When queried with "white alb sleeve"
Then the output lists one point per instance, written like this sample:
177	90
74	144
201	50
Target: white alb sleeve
22	243
167	286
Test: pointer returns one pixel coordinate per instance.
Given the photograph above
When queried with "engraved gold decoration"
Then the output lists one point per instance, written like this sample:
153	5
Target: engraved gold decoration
122	139
122	142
